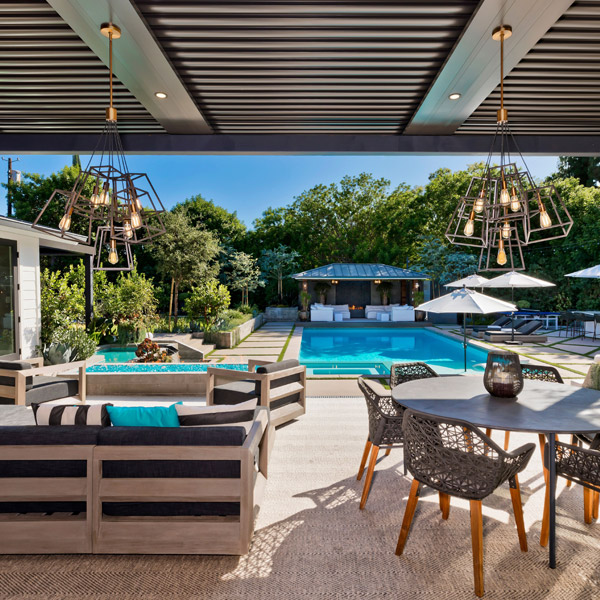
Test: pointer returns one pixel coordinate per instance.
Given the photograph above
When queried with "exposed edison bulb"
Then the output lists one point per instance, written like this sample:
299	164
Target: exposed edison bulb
501	258
95	198
479	203
504	197
127	229
506	230
515	204
469	228
545	220
113	257
136	220
65	222
104	198
137	203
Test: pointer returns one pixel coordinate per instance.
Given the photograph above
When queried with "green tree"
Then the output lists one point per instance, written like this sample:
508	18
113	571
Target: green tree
185	254
278	263
32	193
207	215
442	262
584	168
207	302
130	303
62	300
244	275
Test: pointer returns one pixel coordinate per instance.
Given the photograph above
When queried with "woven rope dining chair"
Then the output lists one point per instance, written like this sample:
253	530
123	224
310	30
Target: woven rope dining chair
457	459
385	417
582	466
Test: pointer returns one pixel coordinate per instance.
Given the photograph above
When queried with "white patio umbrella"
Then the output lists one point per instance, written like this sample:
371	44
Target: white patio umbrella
589	273
472	281
466	301
513	280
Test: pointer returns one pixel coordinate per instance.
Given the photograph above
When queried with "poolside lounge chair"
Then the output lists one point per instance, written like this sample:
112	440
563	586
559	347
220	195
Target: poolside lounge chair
524	333
497	324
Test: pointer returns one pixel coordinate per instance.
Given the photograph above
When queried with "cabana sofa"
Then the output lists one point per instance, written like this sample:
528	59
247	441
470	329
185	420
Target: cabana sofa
132	490
396	312
328	312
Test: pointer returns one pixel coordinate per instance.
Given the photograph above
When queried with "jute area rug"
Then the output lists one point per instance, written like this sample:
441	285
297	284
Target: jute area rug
312	542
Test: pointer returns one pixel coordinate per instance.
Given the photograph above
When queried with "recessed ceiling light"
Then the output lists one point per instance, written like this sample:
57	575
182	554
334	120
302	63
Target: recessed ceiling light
454	96
160	95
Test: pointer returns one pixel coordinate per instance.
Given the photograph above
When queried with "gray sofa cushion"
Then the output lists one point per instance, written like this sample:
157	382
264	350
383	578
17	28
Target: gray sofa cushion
51	388
15	365
235	392
171	436
281	366
30	435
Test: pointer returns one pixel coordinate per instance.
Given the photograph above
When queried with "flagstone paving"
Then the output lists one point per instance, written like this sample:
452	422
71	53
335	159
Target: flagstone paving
265	343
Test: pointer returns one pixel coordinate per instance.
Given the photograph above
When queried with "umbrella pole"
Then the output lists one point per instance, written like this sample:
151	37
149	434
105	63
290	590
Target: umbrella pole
465	339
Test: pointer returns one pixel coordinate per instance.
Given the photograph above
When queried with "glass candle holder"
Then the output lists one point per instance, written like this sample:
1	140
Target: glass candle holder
503	377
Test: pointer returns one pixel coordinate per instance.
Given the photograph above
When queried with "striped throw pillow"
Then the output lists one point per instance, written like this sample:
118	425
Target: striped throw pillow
64	414
240	415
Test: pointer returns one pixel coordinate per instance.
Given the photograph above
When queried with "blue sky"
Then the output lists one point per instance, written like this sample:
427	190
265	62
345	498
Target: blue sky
250	184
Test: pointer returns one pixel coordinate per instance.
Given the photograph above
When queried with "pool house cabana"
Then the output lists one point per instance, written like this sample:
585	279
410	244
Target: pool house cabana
359	285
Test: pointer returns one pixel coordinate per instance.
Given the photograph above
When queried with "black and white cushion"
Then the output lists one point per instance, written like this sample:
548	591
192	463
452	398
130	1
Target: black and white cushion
64	414
241	415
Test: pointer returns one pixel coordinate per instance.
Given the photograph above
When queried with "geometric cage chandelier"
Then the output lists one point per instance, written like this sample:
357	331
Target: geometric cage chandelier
122	208
504	210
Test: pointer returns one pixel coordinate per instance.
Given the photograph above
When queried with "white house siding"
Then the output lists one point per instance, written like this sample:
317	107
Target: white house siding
28	277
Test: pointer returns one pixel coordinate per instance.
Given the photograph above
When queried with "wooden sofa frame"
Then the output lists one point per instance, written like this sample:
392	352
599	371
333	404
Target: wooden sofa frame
97	533
280	415
19	392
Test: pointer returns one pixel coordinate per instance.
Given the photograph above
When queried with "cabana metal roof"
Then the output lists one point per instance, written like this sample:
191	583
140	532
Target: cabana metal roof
357	271
299	76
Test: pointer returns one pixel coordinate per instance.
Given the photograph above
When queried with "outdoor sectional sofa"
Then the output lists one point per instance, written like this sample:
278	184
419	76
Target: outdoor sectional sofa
328	312
131	490
279	386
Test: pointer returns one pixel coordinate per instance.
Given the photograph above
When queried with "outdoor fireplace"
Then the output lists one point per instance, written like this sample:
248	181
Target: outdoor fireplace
356	312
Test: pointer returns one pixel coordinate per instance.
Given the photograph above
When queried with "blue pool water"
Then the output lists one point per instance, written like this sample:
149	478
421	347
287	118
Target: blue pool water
358	350
159	368
117	355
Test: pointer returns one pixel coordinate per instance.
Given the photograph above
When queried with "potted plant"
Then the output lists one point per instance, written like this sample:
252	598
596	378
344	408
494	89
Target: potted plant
305	299
418	299
322	288
385	290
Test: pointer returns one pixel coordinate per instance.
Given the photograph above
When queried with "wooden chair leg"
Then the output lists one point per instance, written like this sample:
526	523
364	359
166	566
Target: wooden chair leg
488	432
542	446
515	496
506	439
363	461
387	452
409	513
587	505
369	477
545	532
477	544
444	505
595	504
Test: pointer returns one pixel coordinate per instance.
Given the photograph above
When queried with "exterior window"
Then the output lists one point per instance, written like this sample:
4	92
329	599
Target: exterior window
8	325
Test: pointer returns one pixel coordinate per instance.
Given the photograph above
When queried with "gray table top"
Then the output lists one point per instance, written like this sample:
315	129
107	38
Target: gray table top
540	408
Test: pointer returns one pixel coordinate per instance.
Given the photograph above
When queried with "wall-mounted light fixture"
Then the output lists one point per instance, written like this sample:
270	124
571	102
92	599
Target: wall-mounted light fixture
377	281
305	285
334	281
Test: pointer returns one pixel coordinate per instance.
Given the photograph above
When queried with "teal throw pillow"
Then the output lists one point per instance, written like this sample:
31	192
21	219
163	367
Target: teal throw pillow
144	416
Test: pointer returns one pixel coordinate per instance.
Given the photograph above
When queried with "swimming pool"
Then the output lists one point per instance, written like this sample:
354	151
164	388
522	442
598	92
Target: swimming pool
117	355
355	351
113	367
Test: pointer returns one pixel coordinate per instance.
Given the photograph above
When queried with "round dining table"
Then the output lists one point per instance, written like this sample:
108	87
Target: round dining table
541	407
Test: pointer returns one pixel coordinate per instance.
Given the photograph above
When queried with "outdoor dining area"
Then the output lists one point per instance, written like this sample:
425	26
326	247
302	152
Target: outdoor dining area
445	427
